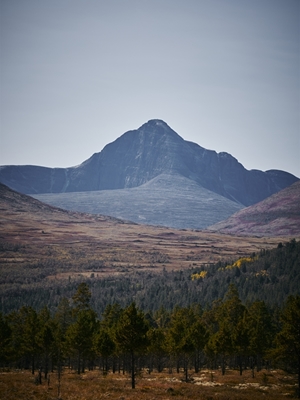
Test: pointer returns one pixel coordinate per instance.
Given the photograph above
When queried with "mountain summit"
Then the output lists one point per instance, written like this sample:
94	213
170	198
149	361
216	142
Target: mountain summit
139	156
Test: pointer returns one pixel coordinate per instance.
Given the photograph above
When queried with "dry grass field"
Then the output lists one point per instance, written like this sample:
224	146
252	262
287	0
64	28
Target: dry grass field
206	385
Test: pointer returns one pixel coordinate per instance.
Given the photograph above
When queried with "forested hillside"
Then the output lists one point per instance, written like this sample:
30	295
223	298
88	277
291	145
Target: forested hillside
270	275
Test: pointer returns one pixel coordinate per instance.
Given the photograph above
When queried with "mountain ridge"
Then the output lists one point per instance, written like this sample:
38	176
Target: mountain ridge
140	155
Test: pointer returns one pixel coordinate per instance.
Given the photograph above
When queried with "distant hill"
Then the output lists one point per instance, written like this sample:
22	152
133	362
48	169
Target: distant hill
141	155
278	215
167	200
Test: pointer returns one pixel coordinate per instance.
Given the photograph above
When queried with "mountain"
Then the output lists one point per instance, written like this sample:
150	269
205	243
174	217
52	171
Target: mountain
278	215
168	200
143	154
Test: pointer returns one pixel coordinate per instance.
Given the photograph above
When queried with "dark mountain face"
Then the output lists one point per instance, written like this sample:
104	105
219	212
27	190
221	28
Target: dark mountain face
139	156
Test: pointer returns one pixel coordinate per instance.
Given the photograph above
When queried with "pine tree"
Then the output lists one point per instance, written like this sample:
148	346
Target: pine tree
181	341
62	320
104	345
199	336
111	316
80	336
63	316
25	328
229	329
81	298
288	339
131	335
5	336
157	346
261	332
46	336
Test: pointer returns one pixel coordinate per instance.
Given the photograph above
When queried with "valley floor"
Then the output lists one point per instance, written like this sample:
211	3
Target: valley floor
205	385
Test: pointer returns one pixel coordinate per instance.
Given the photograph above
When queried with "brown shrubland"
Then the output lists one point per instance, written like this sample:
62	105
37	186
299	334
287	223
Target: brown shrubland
205	385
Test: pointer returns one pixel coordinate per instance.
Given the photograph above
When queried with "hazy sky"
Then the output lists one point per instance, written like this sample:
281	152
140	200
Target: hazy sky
77	74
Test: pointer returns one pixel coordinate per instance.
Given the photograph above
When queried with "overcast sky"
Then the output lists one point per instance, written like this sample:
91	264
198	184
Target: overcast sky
77	74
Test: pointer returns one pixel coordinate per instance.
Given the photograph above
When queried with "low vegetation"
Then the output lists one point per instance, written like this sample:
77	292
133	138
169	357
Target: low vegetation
205	385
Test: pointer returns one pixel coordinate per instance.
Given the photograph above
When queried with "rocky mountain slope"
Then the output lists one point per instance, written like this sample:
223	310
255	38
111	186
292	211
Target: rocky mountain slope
143	154
278	215
167	200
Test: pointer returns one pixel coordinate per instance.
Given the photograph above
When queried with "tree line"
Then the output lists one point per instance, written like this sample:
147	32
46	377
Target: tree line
228	334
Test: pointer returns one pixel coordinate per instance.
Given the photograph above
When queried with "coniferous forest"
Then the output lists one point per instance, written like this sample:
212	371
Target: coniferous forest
228	334
229	315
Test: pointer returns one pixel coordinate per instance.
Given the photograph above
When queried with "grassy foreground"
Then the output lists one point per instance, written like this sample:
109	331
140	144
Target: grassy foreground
206	385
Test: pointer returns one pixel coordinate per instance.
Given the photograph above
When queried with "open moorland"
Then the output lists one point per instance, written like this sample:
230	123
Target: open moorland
32	232
205	385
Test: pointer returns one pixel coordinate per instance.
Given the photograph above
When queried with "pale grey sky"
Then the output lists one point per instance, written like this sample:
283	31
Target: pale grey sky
77	74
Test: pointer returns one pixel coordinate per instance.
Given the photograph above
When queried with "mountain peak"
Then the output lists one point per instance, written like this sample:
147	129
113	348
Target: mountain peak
158	127
154	123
